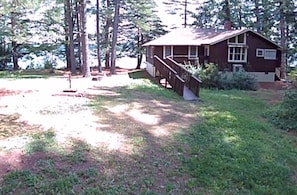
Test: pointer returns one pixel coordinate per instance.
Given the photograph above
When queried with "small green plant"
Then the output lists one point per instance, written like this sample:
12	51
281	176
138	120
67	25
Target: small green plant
41	142
239	80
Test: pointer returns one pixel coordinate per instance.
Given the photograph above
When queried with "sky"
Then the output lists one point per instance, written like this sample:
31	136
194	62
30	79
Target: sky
168	19
175	20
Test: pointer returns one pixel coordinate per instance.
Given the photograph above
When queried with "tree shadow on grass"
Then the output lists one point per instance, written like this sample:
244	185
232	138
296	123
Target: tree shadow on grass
145	158
44	167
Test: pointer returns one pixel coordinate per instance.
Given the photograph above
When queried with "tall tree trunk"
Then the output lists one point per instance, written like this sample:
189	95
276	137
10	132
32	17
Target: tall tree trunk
227	11
66	43
15	55
257	14
139	49
13	42
70	35
185	14
282	24
84	39
98	36
114	37
78	41
106	37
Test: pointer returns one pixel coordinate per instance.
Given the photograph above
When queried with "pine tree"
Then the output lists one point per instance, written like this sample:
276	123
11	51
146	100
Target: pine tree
116	20
98	35
179	7
19	28
70	36
141	24
206	15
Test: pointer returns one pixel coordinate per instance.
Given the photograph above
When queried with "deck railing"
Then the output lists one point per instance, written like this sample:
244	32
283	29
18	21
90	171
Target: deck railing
171	76
192	82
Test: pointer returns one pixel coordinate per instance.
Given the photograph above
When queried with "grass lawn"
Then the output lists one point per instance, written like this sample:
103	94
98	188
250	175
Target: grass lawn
29	74
159	144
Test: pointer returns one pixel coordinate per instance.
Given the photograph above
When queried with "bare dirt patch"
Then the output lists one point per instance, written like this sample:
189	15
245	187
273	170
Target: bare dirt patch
10	126
128	137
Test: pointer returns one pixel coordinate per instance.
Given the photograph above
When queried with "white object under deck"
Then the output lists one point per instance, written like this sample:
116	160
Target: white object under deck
189	95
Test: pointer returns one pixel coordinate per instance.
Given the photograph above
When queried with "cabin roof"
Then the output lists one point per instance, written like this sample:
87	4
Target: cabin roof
198	36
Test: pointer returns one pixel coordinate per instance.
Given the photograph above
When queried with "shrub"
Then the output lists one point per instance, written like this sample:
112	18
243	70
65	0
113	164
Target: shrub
244	81
240	80
293	78
212	78
284	115
226	81
209	75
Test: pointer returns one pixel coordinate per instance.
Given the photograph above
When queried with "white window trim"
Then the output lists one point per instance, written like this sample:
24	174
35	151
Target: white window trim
268	57
152	48
236	66
236	40
206	50
164	51
263	53
189	52
242	61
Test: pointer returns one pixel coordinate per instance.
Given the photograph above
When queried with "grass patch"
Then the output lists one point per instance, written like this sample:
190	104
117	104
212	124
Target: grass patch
155	90
29	74
41	142
231	149
236	151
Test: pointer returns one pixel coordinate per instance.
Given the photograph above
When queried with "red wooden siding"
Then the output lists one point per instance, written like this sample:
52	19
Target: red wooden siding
259	64
218	54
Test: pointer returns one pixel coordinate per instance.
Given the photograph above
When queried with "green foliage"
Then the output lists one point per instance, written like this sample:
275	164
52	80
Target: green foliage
212	78
142	25
209	75
262	16
41	142
284	115
293	78
5	56
239	80
50	64
235	152
153	89
36	74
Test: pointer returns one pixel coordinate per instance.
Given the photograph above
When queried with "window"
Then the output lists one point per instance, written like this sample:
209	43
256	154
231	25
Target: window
237	54
206	50
270	54
151	51
167	51
239	39
193	52
237	68
259	52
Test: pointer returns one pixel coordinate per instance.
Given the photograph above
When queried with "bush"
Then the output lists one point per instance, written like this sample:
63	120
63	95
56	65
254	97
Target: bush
212	78
284	115
209	75
293	78
244	81
226	81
